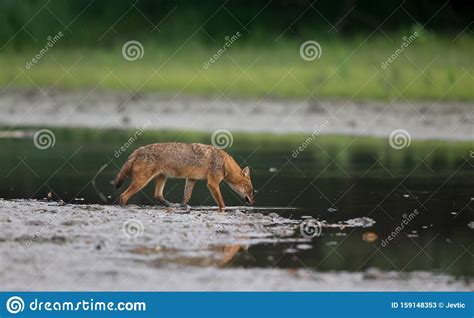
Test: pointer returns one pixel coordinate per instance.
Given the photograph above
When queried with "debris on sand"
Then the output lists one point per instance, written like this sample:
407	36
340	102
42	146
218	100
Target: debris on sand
49	246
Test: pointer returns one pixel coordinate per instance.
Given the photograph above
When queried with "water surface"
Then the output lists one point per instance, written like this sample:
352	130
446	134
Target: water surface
334	179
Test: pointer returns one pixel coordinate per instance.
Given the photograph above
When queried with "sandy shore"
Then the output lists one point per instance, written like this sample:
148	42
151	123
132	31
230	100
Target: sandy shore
47	246
423	120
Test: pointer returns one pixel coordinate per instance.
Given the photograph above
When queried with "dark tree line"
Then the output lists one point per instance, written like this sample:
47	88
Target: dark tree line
106	21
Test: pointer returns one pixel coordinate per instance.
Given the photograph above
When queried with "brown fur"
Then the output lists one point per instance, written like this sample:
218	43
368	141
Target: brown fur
191	161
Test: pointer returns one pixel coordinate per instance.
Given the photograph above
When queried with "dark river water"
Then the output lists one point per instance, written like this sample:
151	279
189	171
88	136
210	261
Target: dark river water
333	179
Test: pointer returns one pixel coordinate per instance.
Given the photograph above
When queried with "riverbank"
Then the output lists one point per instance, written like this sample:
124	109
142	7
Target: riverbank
101	109
50	246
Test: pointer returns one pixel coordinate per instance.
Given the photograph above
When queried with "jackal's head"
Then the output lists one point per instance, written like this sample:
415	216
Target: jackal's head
242	185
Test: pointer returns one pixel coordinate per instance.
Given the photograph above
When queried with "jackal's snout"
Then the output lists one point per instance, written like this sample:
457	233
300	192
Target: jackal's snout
247	186
250	200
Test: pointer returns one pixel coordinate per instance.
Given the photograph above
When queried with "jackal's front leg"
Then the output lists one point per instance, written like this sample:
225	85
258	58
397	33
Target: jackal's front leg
216	193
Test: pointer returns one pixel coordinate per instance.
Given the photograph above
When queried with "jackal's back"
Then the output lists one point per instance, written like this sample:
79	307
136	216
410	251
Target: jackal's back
195	160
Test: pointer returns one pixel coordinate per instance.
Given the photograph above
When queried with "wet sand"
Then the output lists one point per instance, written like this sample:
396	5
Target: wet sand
49	246
423	120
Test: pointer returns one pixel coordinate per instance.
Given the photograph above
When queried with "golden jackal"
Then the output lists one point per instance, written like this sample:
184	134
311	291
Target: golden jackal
190	161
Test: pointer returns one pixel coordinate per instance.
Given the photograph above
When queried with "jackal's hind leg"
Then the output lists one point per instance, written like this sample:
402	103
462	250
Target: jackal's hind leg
139	181
160	185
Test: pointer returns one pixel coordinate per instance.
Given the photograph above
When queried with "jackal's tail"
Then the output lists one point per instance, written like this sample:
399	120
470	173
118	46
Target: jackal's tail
124	172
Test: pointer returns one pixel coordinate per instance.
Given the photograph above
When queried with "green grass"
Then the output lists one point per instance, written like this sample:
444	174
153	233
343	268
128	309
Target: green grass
348	68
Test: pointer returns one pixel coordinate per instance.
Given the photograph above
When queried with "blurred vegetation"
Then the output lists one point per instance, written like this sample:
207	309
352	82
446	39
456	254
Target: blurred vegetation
333	151
89	22
180	36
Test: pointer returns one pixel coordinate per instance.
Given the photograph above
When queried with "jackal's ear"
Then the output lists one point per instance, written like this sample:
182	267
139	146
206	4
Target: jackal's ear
246	172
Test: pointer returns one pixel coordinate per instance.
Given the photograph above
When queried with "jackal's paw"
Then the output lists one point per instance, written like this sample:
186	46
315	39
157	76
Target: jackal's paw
185	206
168	204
